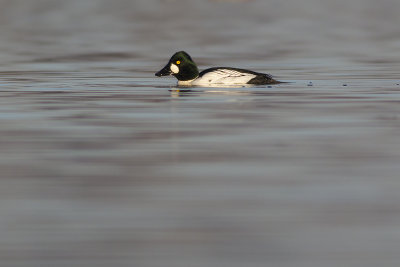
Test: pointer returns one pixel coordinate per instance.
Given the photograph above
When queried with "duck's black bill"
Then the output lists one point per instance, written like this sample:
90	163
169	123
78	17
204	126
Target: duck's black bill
164	71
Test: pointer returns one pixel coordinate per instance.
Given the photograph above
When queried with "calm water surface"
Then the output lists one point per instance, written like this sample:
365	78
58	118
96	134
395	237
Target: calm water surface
103	164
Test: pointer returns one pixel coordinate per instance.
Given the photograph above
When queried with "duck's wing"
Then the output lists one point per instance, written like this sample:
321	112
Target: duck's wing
227	75
228	72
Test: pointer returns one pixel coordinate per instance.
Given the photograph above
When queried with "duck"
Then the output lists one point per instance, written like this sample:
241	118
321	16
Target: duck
182	66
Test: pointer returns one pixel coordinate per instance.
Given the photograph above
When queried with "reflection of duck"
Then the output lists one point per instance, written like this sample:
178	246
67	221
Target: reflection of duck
185	70
184	91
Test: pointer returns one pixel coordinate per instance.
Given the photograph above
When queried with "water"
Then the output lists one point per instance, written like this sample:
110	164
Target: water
103	164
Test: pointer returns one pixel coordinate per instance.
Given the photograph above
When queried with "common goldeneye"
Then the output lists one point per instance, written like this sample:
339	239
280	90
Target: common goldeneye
185	70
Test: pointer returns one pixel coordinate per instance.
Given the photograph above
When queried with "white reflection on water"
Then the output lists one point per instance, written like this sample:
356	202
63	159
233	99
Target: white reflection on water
103	164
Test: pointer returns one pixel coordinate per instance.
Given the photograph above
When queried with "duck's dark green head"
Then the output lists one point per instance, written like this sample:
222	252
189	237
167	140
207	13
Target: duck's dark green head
181	66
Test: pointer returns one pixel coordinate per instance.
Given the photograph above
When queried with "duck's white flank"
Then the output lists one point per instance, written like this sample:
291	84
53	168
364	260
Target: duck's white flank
224	76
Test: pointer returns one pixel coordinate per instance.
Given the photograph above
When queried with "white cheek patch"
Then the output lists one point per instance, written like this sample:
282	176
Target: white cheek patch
174	68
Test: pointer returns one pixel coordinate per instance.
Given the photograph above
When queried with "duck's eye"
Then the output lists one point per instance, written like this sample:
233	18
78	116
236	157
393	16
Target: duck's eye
178	62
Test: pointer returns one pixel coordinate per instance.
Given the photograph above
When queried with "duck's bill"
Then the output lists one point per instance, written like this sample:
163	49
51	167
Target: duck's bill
164	71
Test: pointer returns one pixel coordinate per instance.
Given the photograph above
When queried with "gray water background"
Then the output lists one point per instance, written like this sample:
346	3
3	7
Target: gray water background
103	164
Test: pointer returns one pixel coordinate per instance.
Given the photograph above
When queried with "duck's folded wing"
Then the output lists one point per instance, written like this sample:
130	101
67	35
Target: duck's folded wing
227	75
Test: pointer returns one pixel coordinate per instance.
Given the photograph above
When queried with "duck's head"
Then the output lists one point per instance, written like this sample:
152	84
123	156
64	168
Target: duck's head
182	66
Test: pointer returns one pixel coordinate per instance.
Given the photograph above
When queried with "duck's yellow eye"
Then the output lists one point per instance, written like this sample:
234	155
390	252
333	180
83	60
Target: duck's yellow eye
178	62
